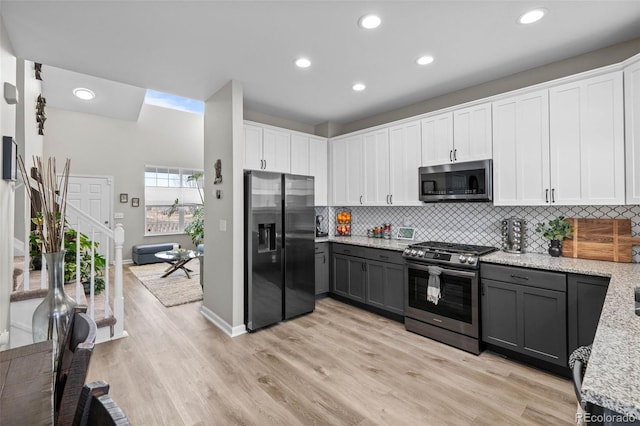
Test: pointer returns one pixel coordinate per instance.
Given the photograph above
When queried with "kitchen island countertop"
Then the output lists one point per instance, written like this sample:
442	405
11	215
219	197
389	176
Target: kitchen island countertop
612	379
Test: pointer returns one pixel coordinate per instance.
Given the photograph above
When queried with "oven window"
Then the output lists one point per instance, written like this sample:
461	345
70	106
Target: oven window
455	295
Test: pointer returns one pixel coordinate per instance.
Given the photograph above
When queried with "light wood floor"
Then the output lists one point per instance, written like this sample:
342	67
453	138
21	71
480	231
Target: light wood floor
338	365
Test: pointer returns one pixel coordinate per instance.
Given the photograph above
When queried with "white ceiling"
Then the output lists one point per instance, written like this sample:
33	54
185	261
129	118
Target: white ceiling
192	48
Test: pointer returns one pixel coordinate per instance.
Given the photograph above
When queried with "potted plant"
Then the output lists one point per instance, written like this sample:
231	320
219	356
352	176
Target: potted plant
70	263
555	231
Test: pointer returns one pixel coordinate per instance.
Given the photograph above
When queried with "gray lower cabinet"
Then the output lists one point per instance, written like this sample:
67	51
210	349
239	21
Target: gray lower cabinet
349	276
385	286
322	268
372	276
525	311
585	297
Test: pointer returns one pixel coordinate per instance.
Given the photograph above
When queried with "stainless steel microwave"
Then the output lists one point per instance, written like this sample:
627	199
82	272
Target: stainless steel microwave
468	181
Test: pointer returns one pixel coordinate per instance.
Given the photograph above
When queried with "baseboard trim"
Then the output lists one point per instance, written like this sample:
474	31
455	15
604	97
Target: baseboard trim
213	318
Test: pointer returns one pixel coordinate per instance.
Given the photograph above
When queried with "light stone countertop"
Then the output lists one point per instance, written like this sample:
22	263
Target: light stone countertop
612	379
380	243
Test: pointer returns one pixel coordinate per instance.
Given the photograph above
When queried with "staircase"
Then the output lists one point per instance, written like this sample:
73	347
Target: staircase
107	308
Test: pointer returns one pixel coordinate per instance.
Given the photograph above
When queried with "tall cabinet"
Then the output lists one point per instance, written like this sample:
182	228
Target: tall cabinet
632	131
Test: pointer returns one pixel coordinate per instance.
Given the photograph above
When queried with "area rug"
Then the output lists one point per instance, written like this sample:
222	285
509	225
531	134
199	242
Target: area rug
176	289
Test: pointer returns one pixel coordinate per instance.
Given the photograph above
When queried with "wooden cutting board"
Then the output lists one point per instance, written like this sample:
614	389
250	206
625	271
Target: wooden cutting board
600	239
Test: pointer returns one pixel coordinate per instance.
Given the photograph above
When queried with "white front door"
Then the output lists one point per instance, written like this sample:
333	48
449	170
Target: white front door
93	196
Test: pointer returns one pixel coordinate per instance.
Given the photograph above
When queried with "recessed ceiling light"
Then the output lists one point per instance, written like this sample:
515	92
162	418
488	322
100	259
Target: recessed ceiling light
84	94
303	63
370	22
532	16
359	87
424	60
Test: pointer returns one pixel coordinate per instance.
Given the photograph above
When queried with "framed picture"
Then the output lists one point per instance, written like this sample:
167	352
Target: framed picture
124	198
135	202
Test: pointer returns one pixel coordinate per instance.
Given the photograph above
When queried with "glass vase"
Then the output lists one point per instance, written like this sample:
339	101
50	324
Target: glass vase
51	318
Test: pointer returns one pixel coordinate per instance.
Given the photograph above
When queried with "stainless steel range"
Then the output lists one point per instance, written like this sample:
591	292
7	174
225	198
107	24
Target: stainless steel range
442	298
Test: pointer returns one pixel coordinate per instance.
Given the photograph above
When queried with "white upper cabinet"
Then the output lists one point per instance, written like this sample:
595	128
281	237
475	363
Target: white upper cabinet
253	147
437	139
587	141
461	135
561	146
300	154
266	149
404	161
472	133
318	169
521	150
632	131
276	150
347	171
376	167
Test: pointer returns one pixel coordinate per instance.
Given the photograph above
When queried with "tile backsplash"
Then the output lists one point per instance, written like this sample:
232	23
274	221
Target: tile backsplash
475	223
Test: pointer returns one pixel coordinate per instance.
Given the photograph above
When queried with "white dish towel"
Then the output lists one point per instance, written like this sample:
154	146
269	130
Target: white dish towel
433	288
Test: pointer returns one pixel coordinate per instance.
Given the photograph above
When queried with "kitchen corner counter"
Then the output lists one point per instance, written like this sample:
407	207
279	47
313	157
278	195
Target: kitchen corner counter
612	379
379	243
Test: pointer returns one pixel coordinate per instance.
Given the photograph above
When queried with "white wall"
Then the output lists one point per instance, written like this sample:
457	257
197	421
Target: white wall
7	189
223	280
104	146
27	137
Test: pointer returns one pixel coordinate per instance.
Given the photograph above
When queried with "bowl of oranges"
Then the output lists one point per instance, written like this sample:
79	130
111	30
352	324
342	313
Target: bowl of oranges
343	219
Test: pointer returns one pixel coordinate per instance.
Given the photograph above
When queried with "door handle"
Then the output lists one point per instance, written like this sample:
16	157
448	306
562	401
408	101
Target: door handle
265	164
455	155
387	198
546	195
390	198
553	195
361	199
451	155
324	259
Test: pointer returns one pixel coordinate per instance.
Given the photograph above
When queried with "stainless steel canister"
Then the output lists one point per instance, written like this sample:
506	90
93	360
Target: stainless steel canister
514	232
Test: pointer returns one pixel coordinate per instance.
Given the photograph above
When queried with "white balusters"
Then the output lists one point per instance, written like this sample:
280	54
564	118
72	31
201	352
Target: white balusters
118	297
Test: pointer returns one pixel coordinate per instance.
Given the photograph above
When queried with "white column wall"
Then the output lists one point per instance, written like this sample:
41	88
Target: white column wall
223	275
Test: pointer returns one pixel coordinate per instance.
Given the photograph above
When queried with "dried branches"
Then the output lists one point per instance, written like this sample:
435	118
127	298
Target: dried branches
49	199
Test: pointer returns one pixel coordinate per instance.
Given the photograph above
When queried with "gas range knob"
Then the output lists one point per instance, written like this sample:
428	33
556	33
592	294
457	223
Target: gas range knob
414	252
472	260
420	253
407	251
462	258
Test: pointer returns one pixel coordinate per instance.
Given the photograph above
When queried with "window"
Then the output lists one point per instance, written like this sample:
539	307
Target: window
166	100
171	195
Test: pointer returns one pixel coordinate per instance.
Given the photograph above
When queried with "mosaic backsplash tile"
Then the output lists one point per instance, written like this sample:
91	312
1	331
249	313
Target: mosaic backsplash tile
475	223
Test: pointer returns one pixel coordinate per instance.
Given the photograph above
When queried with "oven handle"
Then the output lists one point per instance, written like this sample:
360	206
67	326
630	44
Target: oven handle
445	270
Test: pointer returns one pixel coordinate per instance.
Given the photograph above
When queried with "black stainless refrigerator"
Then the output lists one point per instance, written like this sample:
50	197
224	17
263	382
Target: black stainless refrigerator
279	228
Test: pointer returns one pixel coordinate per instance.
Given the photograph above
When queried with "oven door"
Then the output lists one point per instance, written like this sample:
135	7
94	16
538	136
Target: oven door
457	309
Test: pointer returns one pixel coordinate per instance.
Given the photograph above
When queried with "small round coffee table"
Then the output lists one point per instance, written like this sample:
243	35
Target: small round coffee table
177	259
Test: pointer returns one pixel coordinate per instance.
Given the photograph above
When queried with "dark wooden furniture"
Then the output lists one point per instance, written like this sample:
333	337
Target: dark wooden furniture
73	365
585	298
26	385
525	311
96	408
322	268
374	277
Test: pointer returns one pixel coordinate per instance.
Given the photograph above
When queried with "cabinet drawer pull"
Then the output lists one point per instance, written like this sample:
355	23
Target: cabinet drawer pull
437	320
384	257
520	277
346	251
